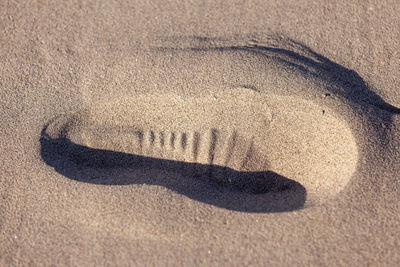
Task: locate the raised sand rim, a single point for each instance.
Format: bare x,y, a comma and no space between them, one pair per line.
239,129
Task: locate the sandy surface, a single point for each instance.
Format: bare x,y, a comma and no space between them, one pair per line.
200,133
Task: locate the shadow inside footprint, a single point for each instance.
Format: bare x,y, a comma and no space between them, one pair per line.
220,186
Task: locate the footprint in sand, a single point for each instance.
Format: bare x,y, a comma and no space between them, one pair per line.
282,148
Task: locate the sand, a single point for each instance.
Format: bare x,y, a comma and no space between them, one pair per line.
185,133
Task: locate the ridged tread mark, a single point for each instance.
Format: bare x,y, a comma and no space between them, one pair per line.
196,143
249,153
231,147
148,138
152,138
162,139
183,141
213,144
172,140
139,134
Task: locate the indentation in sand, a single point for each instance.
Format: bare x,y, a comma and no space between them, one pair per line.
239,128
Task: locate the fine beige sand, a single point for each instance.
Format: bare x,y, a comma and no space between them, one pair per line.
200,133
